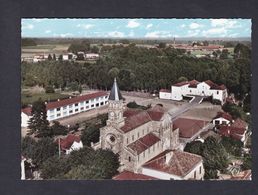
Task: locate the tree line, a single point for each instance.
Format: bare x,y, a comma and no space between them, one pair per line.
138,68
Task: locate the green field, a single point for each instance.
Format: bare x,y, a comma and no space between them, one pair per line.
39,47
28,98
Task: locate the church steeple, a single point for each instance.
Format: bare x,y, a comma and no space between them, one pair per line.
115,107
115,92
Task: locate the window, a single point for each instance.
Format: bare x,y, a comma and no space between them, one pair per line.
87,102
194,174
87,107
65,113
65,107
97,105
126,140
76,104
190,91
129,158
70,111
70,106
58,109
76,110
82,108
58,115
144,154
200,171
92,106
102,103
133,137
217,92
138,134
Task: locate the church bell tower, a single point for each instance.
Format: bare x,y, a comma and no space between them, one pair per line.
115,107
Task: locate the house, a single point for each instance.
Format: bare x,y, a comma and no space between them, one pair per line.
70,143
91,56
67,107
238,130
165,94
222,118
243,175
196,88
175,165
190,129
137,135
25,116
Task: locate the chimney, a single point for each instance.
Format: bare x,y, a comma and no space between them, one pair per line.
45,103
168,157
70,97
58,100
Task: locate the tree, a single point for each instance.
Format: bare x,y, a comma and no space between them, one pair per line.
182,79
58,129
90,134
38,151
49,57
38,123
247,163
60,57
113,72
162,45
95,49
232,146
205,43
242,51
54,57
80,89
224,54
49,89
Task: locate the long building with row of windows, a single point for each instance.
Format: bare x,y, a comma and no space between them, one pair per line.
67,107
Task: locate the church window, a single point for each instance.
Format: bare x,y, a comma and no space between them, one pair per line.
217,92
129,158
138,134
132,137
112,139
144,154
194,174
200,171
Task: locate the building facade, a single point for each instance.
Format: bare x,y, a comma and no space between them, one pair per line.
68,107
196,88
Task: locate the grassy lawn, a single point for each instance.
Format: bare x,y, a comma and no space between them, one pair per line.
28,98
39,47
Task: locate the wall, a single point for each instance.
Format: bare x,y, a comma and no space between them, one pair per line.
165,95
24,119
72,109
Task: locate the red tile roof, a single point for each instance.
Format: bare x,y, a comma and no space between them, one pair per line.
214,85
239,123
165,90
144,143
77,99
131,111
135,121
244,175
67,142
137,117
181,83
180,164
27,111
224,115
188,127
128,175
193,83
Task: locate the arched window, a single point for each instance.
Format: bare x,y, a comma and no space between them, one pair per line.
129,158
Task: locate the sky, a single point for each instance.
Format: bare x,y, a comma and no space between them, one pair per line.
135,28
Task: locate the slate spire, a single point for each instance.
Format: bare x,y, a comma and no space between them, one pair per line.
115,92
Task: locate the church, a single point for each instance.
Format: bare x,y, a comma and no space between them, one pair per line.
144,137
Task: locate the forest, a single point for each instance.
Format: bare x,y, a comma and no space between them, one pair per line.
139,68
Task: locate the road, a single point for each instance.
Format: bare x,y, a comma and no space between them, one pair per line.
176,113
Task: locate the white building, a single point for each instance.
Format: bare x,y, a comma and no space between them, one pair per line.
70,143
165,94
91,56
222,118
67,107
205,88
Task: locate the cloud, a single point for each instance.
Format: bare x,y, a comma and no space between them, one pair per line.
85,26
27,26
193,33
158,34
215,31
66,35
226,23
194,25
149,26
48,31
132,24
182,25
116,34
131,34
